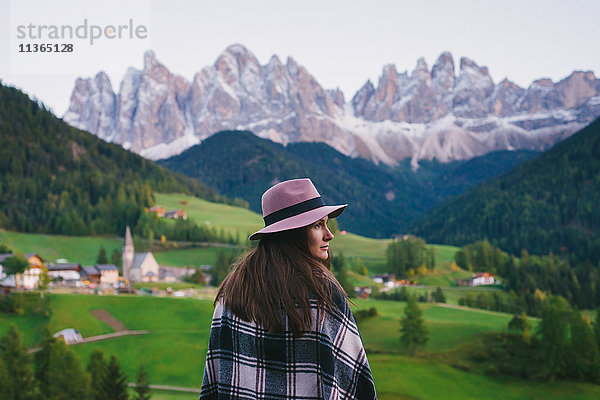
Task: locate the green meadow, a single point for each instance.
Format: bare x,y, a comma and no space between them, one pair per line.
234,220
193,256
173,352
80,249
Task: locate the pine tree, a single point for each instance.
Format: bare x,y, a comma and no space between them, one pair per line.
338,262
97,368
117,259
4,381
414,332
114,384
553,329
438,296
43,282
583,355
342,278
596,327
20,379
221,267
42,363
102,259
142,389
519,324
67,378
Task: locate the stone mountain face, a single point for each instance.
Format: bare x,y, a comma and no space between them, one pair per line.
426,114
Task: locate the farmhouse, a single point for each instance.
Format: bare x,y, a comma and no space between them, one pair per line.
109,273
176,214
90,273
363,292
388,280
69,335
478,279
160,211
5,280
68,272
30,277
483,278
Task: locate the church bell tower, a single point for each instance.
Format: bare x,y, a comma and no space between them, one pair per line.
128,253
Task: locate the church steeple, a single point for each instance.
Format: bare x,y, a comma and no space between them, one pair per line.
128,253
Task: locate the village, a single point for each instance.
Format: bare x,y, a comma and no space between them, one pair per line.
143,267
98,279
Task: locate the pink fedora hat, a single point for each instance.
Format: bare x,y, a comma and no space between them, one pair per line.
293,204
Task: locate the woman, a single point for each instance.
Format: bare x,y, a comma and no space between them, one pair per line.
282,327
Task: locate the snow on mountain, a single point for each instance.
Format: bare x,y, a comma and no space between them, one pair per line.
427,114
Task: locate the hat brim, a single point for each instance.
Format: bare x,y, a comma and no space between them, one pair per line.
300,220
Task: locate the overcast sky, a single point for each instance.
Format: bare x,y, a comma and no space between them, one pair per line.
341,43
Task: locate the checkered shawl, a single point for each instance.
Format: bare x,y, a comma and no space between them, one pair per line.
244,361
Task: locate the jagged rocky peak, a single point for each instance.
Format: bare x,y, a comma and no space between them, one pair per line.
505,98
337,96
468,65
274,62
442,72
577,88
277,83
421,68
473,86
306,92
93,104
235,62
541,84
150,60
360,99
387,87
103,81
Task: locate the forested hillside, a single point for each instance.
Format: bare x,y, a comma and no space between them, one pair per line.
383,200
547,204
58,179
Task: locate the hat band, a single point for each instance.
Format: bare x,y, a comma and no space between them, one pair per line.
296,209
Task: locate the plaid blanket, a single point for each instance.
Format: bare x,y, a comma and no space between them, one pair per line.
246,362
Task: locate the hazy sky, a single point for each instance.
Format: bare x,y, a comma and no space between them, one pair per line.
341,43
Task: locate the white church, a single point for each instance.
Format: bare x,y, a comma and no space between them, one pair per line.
138,267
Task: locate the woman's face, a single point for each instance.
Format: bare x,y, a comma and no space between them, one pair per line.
318,239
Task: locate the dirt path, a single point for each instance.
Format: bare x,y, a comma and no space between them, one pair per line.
97,338
170,388
479,310
111,321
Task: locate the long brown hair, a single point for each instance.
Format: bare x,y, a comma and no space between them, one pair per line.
279,272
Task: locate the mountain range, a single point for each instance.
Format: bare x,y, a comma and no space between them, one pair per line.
436,113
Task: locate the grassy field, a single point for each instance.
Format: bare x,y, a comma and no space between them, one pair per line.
80,249
194,256
232,219
399,377
174,350
166,395
448,327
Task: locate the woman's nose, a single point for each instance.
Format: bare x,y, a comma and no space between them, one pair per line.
328,234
